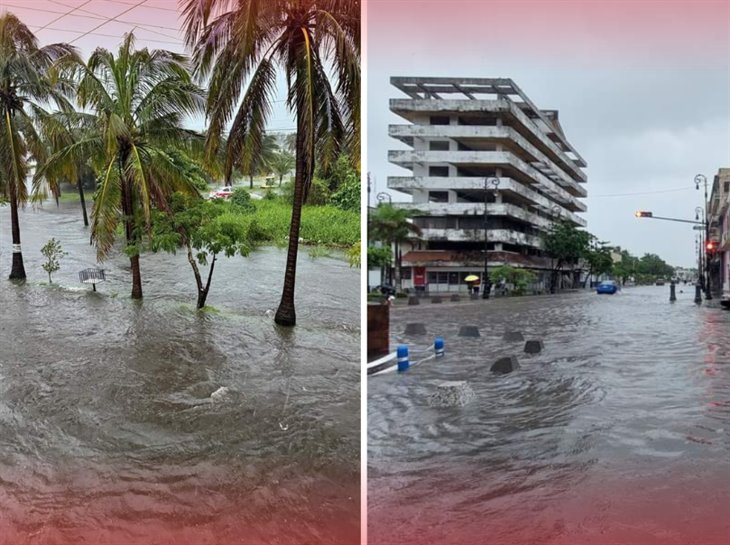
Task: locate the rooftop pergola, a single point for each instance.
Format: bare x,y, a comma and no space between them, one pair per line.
483,89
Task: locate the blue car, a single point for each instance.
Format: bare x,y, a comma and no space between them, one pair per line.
607,286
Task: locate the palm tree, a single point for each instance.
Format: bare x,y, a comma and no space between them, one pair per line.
239,42
134,138
391,225
282,164
261,164
28,76
60,130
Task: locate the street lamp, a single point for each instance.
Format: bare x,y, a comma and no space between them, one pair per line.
700,213
487,285
382,196
701,179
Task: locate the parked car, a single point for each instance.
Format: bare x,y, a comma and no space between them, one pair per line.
221,193
607,286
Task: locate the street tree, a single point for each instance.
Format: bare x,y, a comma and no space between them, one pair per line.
53,253
598,257
137,103
239,44
566,245
204,230
30,75
392,225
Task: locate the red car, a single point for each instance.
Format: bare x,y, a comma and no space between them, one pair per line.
221,193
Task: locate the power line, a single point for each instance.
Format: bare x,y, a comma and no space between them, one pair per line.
94,17
65,14
108,21
644,192
148,7
106,35
141,25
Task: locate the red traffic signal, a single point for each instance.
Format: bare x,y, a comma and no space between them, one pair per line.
711,246
643,214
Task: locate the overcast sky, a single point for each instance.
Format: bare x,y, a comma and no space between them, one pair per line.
642,87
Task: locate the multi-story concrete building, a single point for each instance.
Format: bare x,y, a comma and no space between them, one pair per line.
466,134
719,216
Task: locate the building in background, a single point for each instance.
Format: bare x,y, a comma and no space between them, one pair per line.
719,217
467,134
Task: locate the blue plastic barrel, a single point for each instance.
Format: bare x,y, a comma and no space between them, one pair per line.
438,346
402,357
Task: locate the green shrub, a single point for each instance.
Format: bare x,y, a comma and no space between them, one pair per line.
241,197
347,197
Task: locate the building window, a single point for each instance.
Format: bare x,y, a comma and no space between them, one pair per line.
438,145
438,172
438,196
727,187
454,278
440,120
433,278
405,273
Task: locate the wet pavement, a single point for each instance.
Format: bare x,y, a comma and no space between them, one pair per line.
617,433
126,423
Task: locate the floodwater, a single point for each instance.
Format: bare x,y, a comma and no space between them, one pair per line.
127,423
617,433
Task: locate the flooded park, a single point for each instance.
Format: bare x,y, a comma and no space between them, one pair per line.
139,423
616,433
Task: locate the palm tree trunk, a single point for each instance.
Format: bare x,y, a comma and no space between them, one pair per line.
286,314
17,271
250,181
83,202
128,210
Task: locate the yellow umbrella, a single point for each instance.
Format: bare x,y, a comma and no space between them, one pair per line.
471,278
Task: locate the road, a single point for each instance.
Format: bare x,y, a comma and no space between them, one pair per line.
617,433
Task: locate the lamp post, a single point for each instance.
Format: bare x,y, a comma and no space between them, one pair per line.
700,213
700,178
486,284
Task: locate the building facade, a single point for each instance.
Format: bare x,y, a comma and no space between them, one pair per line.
480,145
719,217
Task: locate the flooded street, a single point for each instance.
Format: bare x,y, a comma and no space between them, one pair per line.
617,433
126,423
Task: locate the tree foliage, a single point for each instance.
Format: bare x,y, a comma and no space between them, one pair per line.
53,253
242,44
205,230
31,78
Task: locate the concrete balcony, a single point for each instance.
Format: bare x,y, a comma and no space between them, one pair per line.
477,209
407,184
409,158
477,235
406,108
407,133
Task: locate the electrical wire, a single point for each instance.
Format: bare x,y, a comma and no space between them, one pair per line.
642,192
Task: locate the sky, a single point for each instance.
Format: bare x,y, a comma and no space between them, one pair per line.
642,88
88,24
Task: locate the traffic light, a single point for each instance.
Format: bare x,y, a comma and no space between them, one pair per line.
643,214
711,246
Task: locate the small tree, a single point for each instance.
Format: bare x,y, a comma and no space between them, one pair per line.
53,253
519,278
205,229
566,245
